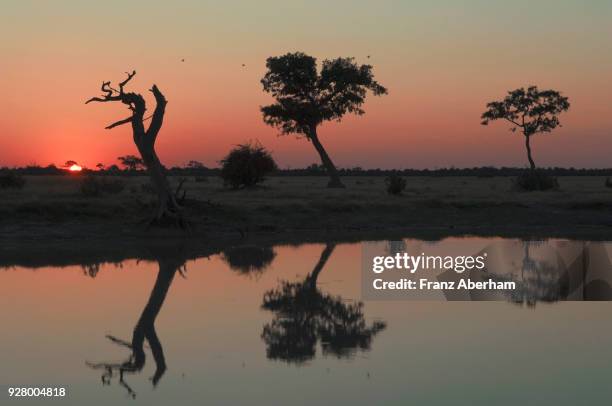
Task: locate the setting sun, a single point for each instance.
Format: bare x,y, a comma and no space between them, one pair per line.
75,168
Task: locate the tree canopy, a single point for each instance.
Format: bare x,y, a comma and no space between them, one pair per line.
532,111
131,162
305,98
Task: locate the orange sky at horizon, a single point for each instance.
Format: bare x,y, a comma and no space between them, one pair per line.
441,63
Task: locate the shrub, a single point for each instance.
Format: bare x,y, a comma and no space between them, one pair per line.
532,180
248,259
93,186
395,184
11,180
246,165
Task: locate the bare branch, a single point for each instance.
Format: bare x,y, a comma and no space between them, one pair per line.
119,341
122,84
158,114
120,122
102,100
107,89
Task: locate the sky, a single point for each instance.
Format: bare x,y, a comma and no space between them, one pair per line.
442,61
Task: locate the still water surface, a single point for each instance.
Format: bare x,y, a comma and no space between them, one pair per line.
286,325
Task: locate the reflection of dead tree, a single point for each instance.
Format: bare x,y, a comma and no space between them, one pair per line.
168,207
145,329
304,315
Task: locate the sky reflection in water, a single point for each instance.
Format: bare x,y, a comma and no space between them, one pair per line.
285,324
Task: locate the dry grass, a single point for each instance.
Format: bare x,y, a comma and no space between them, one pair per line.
290,203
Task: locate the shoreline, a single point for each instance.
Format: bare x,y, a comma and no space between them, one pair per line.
51,212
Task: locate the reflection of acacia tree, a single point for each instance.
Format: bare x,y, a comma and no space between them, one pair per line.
145,329
540,281
305,315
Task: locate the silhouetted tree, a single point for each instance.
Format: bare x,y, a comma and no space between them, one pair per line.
69,163
304,315
306,98
131,162
113,169
145,139
531,111
100,166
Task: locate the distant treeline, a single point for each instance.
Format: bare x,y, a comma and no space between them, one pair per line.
318,170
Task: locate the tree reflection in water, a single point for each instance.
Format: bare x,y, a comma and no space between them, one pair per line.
304,315
144,329
251,260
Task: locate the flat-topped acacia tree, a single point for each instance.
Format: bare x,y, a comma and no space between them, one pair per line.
306,98
531,111
168,207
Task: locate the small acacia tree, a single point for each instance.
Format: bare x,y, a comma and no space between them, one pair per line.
306,98
145,141
131,162
531,111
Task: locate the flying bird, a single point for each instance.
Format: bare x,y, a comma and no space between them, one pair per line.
183,60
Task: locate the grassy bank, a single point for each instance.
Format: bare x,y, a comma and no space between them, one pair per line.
54,207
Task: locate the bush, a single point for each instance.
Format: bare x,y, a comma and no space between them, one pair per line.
11,180
246,165
395,184
93,186
532,180
248,259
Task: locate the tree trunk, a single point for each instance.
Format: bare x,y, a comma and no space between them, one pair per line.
531,163
167,206
311,279
166,201
334,181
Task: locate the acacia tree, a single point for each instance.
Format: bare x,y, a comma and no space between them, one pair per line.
131,162
306,98
145,140
531,111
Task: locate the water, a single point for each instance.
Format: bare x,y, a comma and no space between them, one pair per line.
284,325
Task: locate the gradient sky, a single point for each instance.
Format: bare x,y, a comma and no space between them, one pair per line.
441,60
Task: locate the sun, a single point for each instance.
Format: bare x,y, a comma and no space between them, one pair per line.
75,168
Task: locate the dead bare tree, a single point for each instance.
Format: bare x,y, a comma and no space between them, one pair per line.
168,207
